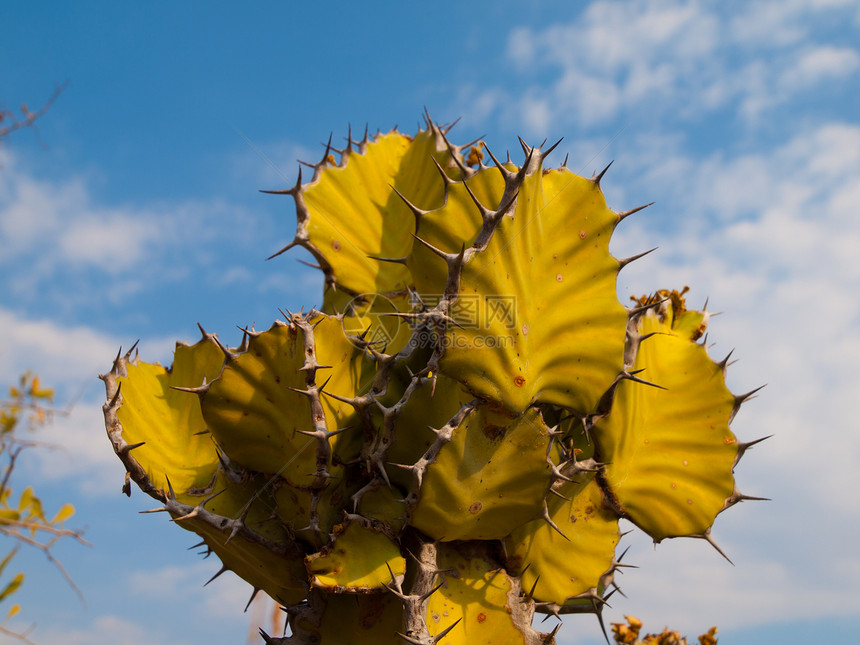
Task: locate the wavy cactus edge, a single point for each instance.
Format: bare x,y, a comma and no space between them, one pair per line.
390,421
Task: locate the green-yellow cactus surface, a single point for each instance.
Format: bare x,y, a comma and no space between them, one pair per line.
449,447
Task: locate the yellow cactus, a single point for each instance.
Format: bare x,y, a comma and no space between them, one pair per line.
449,447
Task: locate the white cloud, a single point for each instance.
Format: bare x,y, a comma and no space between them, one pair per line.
54,234
59,226
818,64
672,57
271,165
225,597
69,359
771,23
104,630
60,354
521,47
686,585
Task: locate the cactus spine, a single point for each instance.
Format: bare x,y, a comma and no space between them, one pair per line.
446,447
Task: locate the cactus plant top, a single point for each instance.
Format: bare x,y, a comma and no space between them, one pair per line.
447,445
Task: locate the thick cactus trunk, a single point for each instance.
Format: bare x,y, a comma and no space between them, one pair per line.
447,447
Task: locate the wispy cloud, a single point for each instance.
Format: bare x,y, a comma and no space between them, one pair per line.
686,59
106,630
225,597
69,358
54,235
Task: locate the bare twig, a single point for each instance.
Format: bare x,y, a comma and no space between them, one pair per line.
29,117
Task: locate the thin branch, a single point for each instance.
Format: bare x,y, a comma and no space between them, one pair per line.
20,636
30,118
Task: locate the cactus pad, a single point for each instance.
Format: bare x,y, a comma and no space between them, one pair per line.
448,448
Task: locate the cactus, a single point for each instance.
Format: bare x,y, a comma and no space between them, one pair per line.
446,446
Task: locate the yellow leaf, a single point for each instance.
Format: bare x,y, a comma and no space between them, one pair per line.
39,393
26,499
12,587
6,560
14,610
63,514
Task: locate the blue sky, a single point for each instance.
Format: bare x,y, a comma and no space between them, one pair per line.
135,213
